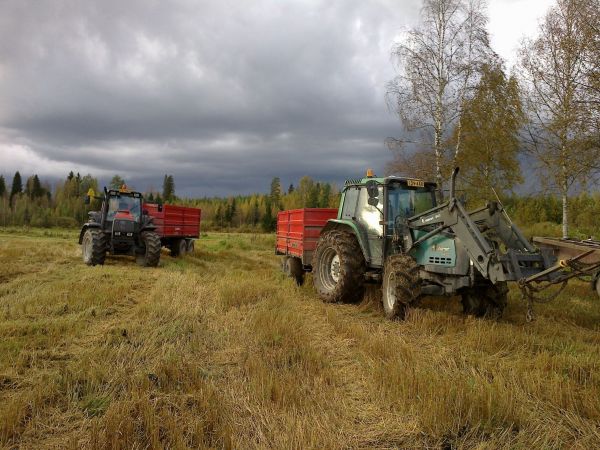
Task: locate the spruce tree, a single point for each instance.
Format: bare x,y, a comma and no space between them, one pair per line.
169,188
17,187
276,192
37,190
2,186
267,222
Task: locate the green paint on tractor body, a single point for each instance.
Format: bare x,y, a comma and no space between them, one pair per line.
437,250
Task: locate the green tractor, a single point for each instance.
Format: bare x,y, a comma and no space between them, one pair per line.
391,230
121,227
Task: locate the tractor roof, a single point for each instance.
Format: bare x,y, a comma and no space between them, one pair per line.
387,180
121,192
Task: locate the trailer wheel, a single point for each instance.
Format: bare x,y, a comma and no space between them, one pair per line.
401,285
338,267
151,255
485,300
296,270
93,247
178,247
285,265
190,246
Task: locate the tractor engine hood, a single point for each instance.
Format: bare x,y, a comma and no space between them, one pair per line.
124,224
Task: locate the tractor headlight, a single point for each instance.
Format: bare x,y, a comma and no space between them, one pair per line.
117,233
129,234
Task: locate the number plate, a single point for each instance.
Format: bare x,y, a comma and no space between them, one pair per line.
415,183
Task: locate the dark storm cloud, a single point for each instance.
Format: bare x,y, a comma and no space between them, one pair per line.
223,94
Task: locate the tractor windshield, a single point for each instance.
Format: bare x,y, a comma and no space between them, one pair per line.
407,202
124,203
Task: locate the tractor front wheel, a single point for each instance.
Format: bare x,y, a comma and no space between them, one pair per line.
401,285
339,267
93,247
152,246
486,300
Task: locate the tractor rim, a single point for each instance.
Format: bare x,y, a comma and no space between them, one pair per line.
335,268
390,291
330,268
87,247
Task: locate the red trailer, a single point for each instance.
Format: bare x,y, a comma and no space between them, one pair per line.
298,231
177,226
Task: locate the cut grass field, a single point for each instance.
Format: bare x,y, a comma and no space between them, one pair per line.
220,350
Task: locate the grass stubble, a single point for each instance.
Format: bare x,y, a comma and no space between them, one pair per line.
220,350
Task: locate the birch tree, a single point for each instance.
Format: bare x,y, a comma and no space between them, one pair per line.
556,72
437,65
491,122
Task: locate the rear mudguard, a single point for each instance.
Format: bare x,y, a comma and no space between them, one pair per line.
87,226
341,224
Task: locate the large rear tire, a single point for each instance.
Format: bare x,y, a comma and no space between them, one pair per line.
93,247
401,285
152,244
339,267
486,300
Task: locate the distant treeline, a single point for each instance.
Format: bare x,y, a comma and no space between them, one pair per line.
35,203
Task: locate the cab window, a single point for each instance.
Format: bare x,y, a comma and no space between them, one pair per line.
350,200
123,203
367,215
407,202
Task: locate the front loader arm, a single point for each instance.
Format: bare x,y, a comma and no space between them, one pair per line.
481,233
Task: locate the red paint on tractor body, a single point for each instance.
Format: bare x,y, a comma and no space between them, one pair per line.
298,231
124,214
175,221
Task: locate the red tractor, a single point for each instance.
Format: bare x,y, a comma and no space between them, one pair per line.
121,227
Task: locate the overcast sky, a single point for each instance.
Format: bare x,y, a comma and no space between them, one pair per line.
222,94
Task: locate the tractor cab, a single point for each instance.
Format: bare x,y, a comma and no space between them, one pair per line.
122,217
123,205
376,206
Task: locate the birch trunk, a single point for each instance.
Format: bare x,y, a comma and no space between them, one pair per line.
565,203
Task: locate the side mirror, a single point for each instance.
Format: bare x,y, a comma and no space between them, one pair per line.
372,189
373,201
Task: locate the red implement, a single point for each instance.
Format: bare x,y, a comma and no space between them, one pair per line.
298,231
175,221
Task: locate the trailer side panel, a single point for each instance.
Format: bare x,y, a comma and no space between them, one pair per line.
298,231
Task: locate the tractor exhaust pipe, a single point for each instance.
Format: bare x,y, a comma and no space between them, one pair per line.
453,183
